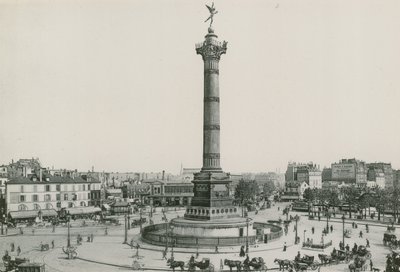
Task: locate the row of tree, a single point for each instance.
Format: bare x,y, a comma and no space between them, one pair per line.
359,199
249,190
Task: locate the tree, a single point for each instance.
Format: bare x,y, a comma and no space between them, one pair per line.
350,195
309,196
246,190
268,189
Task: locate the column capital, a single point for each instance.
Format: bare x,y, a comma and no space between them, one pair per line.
211,49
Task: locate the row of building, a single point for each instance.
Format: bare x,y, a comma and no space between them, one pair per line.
27,186
300,176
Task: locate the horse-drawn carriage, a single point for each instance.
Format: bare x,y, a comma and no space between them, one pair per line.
389,239
256,264
304,263
139,221
203,265
11,264
44,247
363,252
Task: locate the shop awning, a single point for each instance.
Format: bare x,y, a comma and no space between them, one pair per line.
83,210
32,214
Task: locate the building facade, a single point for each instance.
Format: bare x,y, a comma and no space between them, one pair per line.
350,171
47,192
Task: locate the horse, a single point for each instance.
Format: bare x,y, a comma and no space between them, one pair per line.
174,264
283,264
233,263
325,259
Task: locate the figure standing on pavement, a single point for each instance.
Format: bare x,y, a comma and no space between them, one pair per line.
361,234
312,230
12,247
91,237
18,251
367,243
331,228
242,253
52,244
284,246
371,264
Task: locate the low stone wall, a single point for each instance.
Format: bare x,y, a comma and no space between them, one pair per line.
155,234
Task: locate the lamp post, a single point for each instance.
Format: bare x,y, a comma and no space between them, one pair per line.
343,230
247,234
129,218
304,236
172,241
126,231
2,220
68,233
327,218
295,238
140,214
166,230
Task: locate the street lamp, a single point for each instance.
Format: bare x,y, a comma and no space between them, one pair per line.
304,236
126,231
327,218
343,229
172,241
68,232
295,238
140,214
129,218
247,235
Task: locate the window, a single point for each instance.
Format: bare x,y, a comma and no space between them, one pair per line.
84,187
65,196
88,195
22,198
47,197
83,204
74,197
88,187
58,187
35,198
47,188
49,206
58,197
22,207
58,204
36,206
70,204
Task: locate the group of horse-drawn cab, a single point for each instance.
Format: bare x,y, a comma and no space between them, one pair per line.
20,264
390,239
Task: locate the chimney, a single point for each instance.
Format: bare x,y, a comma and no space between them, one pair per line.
40,175
163,174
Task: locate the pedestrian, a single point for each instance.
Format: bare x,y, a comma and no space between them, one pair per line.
331,228
197,253
216,249
106,231
371,264
21,231
12,247
353,225
52,244
312,230
91,237
6,230
131,243
367,243
361,234
33,231
242,253
284,246
18,251
347,247
319,218
165,254
54,228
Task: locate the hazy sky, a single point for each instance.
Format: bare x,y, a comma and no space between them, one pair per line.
118,84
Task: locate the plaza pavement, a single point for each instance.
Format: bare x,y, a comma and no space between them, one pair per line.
110,250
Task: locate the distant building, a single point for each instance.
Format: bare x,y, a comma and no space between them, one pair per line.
326,174
302,176
350,171
381,171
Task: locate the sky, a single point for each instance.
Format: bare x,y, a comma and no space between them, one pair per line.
117,84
